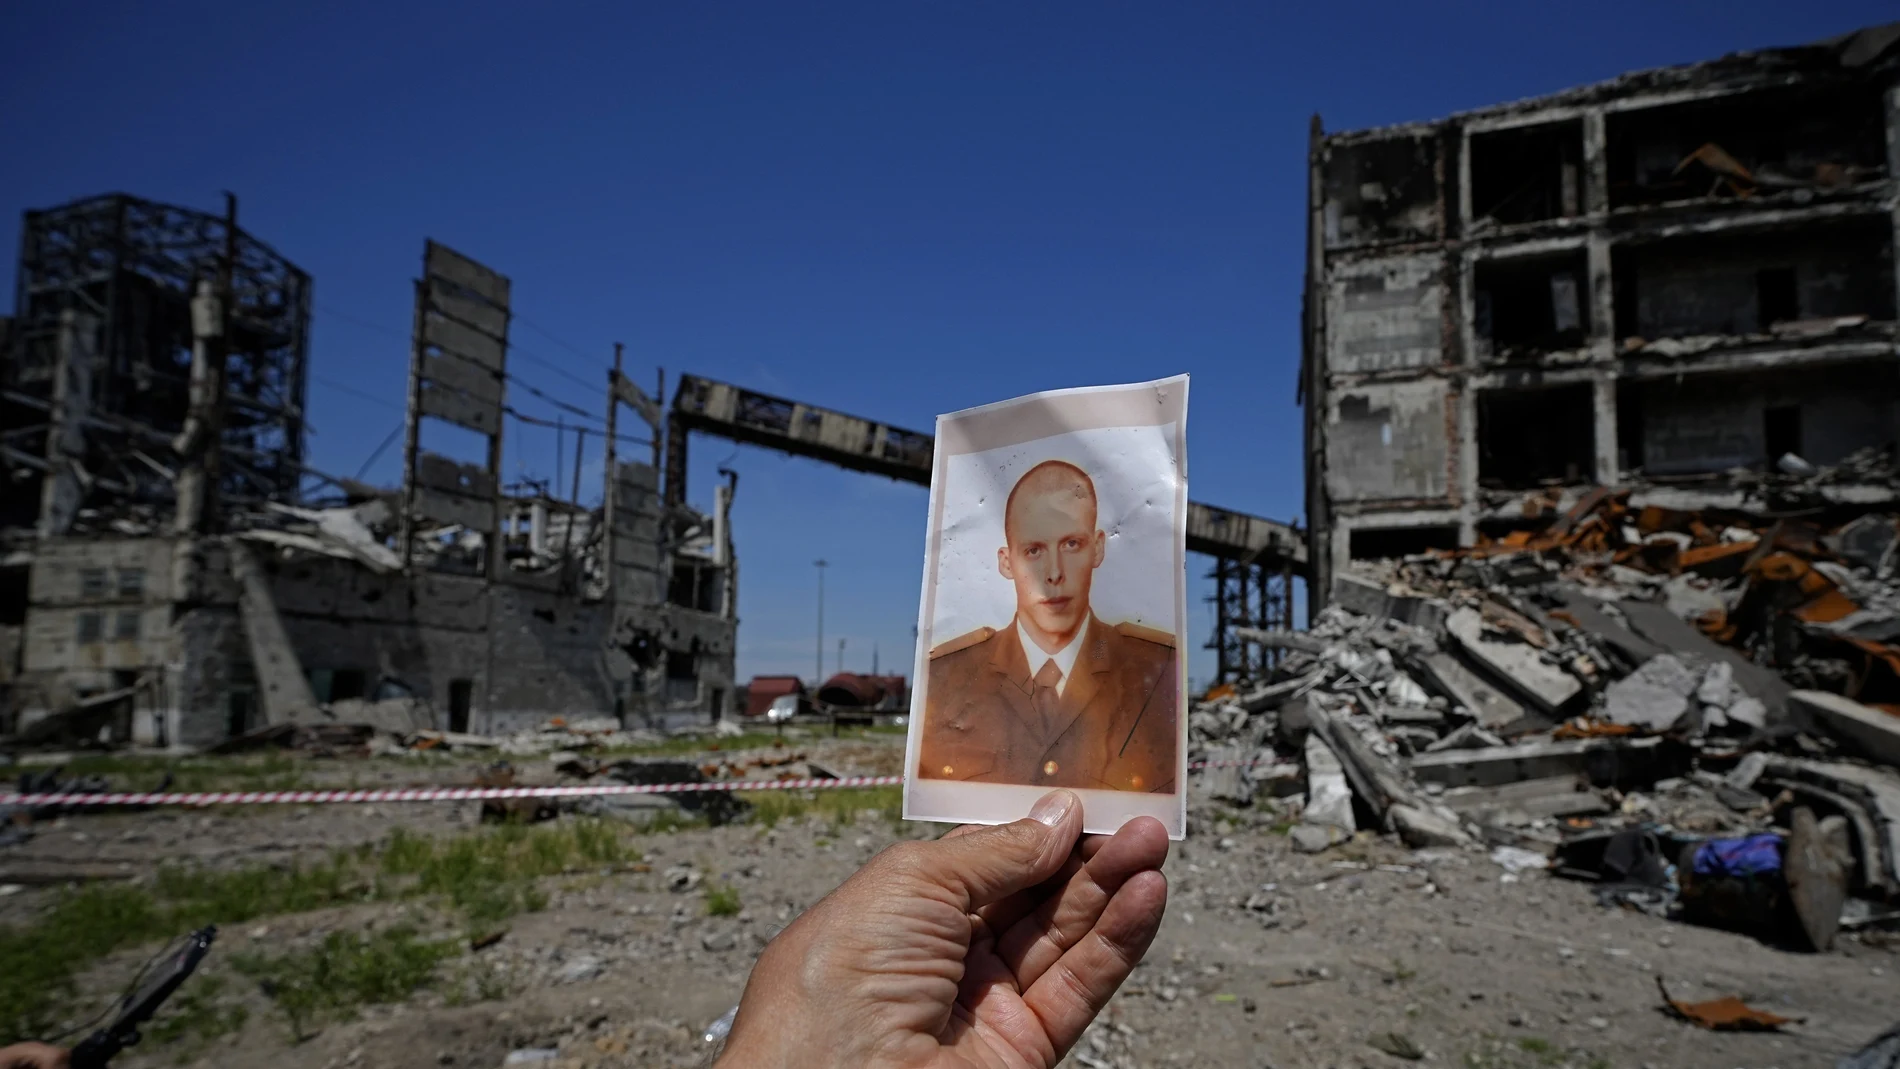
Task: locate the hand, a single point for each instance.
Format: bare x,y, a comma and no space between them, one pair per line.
33,1056
993,946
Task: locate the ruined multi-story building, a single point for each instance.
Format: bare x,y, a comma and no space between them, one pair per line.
172,572
1680,281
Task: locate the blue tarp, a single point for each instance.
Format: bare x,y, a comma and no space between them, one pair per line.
1753,855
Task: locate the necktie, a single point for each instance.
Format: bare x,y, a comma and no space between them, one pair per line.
1045,697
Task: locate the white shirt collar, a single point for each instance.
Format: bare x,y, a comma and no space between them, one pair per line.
1064,657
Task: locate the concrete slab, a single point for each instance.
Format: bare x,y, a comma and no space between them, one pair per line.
1589,614
1654,697
1328,796
1604,762
1874,733
1519,665
1493,708
1657,624
1368,598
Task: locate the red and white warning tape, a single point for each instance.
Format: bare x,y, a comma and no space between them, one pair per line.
469,794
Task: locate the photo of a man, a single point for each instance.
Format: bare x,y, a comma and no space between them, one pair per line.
1055,696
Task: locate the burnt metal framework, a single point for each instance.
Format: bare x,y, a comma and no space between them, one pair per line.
1248,594
1255,559
121,271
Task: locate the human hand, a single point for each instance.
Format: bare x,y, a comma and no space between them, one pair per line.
33,1056
993,946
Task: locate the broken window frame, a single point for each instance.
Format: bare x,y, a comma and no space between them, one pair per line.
1568,415
1509,282
94,582
131,582
1561,141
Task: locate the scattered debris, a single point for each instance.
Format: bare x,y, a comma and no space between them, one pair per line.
1635,690
1396,1045
1725,1014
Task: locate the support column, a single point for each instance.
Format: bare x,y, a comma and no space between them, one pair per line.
198,443
1465,445
1596,164
76,363
201,441
1893,172
1603,412
1222,641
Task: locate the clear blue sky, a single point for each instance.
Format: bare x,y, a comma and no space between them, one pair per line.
894,209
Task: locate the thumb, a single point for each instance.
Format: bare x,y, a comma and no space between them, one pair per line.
984,865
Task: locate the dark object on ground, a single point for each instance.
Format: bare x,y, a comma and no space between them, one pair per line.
1882,1053
1725,1014
503,810
1818,862
718,807
155,985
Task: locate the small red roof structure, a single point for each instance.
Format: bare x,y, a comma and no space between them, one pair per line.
763,689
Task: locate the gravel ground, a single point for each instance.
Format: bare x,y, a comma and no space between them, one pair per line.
1268,957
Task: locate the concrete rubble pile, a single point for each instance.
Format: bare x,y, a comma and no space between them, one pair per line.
1604,685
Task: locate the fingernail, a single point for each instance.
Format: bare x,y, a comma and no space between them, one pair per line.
1053,807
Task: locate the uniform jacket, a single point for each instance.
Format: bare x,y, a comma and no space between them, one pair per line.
1114,727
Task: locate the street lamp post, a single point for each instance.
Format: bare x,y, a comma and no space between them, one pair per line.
819,680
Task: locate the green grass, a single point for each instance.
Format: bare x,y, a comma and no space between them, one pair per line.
722,900
837,806
699,744
484,879
1546,1052
269,771
491,877
193,1017
344,972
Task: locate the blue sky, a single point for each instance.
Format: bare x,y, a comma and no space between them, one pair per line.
893,209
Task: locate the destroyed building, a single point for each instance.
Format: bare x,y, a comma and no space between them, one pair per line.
1680,281
172,571
1601,406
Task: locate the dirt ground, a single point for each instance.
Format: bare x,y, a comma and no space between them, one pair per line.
1268,957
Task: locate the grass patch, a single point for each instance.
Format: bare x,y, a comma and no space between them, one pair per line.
193,1017
489,878
268,771
485,878
344,972
836,806
697,744
722,900
1545,1051
38,963
475,980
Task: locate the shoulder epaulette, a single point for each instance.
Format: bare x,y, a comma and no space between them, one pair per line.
961,642
1146,634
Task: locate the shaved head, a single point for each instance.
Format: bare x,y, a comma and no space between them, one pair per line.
1054,478
1051,550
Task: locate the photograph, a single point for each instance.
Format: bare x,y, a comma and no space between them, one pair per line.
1051,626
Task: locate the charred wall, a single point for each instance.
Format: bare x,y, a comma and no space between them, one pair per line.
1673,274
